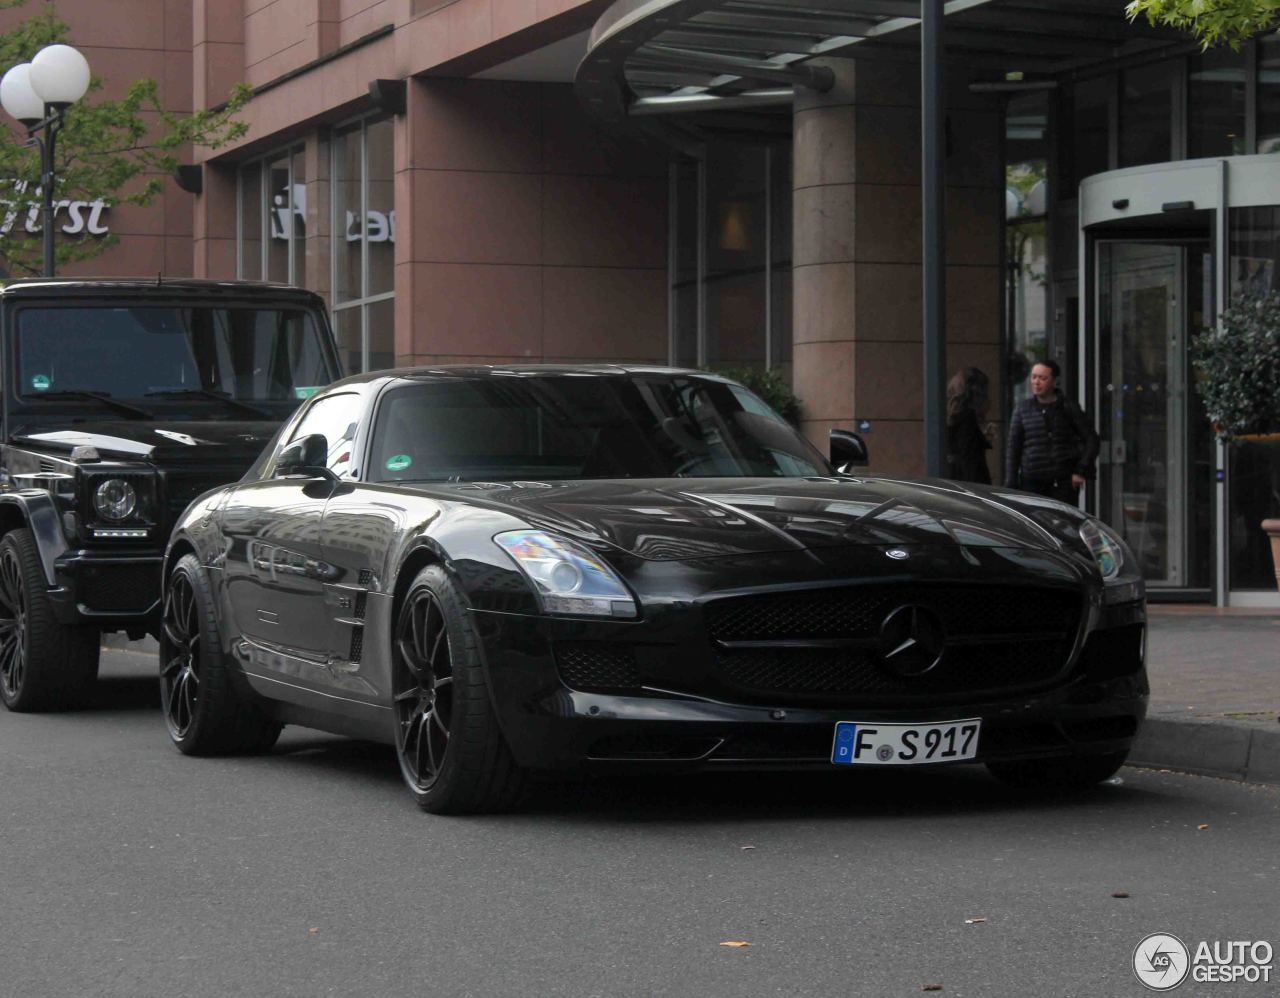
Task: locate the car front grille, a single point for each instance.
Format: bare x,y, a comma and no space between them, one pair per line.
586,665
119,588
824,643
180,487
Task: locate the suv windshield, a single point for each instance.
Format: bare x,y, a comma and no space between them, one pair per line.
574,427
246,353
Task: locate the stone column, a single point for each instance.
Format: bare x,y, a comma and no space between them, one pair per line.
858,347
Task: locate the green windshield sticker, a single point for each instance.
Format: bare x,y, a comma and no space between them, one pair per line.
398,462
40,382
305,391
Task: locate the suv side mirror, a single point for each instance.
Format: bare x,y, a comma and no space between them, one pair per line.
308,456
847,450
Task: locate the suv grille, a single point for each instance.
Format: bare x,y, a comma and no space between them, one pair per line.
997,638
180,487
119,588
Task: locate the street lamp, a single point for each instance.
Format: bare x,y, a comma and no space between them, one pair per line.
37,93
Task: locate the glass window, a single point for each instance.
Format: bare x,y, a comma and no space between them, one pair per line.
364,222
279,212
380,213
735,222
1146,114
251,222
566,427
1026,244
684,264
348,327
1091,129
348,231
1269,94
336,418
381,319
182,354
1215,99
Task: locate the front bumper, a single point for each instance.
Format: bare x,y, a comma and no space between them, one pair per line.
108,589
1095,709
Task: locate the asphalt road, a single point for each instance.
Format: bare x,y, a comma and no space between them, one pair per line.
130,870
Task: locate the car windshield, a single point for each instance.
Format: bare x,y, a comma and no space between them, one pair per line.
197,352
573,426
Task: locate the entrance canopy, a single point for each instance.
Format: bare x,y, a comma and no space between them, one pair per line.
665,56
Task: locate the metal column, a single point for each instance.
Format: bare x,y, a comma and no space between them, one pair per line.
934,246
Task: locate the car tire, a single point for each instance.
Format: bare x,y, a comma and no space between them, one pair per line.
451,751
1058,775
204,711
44,665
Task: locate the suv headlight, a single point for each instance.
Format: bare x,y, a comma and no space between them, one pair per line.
115,499
1105,545
567,578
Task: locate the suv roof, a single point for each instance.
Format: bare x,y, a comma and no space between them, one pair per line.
158,287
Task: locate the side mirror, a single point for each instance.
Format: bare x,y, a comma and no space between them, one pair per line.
308,456
847,450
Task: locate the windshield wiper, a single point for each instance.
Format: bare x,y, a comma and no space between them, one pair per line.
209,393
104,397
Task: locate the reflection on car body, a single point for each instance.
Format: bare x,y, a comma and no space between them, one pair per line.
502,570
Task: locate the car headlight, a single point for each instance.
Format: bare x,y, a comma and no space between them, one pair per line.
1107,548
115,499
567,578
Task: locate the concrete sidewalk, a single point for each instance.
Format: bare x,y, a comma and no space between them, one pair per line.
1215,693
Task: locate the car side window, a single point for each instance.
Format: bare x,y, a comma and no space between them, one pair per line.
337,417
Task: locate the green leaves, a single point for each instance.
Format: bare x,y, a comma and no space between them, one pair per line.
117,151
1238,367
1214,22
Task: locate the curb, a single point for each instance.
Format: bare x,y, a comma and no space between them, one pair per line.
1227,749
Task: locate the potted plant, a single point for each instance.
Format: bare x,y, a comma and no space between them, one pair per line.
1238,368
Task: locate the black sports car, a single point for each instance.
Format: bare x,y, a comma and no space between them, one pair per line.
506,569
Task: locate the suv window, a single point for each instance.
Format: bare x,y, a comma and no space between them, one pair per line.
253,354
337,417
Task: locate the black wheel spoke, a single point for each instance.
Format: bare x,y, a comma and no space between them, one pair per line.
423,683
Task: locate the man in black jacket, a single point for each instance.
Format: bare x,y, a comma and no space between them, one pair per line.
1052,446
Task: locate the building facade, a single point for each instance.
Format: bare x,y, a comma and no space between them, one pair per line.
550,180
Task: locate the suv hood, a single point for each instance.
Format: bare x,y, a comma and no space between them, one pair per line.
212,442
679,519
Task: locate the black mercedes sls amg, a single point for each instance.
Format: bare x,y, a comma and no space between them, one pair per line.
500,570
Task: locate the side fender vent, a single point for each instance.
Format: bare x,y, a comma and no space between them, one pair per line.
357,643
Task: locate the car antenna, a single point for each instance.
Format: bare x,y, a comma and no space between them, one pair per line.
159,274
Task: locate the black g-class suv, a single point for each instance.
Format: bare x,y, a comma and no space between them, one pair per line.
123,400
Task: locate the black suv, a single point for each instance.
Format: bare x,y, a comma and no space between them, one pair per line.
123,400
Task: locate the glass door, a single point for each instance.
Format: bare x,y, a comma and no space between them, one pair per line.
1154,484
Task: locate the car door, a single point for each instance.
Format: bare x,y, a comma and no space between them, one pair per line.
275,571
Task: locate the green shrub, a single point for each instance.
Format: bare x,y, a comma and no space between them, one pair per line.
1238,367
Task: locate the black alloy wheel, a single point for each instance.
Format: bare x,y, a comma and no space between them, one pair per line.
204,710
451,751
44,664
180,664
13,625
424,689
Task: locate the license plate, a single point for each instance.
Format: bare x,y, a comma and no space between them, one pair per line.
872,743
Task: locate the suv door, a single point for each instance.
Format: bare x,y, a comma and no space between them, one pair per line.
275,570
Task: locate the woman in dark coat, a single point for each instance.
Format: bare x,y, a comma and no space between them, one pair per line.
967,444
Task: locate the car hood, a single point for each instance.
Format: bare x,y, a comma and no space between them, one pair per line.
680,519
216,442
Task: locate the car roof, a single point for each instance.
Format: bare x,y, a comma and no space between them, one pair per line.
157,287
484,371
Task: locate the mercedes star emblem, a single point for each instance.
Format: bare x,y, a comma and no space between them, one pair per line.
897,554
911,641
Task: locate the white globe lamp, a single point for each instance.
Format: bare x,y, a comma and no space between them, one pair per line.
17,95
59,75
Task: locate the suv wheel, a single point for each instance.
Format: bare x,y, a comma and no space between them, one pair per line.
44,665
